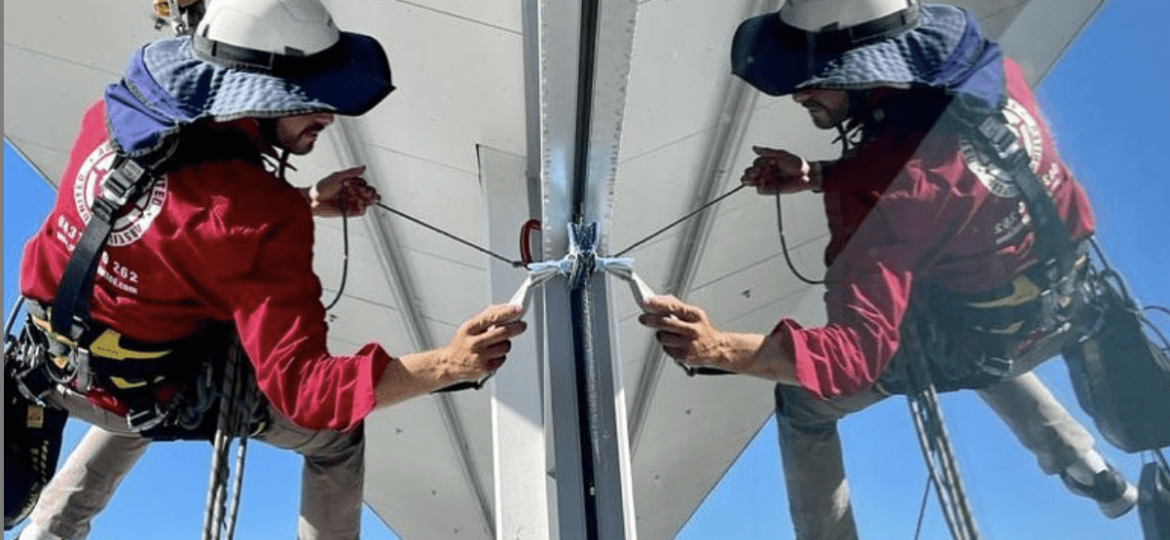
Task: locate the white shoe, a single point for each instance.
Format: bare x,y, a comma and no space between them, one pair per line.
1114,495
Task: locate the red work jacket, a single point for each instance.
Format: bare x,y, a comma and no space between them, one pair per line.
217,241
911,208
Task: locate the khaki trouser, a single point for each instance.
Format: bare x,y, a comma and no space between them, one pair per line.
810,447
331,478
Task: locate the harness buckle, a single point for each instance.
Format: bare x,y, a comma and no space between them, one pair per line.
140,419
120,184
996,367
79,357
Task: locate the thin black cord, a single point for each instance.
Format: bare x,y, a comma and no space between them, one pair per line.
518,264
784,247
345,243
922,508
345,260
680,220
1157,331
12,316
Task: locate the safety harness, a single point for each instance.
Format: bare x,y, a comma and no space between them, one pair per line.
1120,376
976,340
166,391
1065,304
163,389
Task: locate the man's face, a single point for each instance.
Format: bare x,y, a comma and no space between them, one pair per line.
298,134
828,108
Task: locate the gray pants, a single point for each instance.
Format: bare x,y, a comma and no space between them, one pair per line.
810,447
331,478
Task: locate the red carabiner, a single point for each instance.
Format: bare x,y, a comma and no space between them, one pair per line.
525,239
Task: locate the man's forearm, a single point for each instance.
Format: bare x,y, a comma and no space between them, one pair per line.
410,376
761,356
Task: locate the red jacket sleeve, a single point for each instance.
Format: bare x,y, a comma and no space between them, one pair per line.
265,249
868,290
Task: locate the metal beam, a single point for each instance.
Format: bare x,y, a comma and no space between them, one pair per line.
585,49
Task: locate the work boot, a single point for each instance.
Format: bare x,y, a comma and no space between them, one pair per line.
1114,495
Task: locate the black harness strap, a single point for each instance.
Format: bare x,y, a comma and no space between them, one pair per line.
1055,249
125,183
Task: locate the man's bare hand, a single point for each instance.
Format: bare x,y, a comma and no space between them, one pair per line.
686,334
481,344
342,192
779,171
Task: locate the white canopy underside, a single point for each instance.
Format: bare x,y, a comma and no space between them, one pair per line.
460,71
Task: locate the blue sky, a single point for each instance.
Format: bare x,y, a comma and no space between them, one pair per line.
1108,101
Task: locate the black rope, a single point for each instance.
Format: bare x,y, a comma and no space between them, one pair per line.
1157,331
345,259
515,263
1108,273
345,247
12,316
784,247
922,508
680,220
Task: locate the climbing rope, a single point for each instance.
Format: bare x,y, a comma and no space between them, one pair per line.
237,406
922,507
515,263
940,463
935,443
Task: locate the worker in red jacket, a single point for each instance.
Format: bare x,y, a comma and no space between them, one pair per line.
218,237
932,255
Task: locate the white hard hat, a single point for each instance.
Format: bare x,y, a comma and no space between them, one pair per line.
287,27
247,58
829,15
295,41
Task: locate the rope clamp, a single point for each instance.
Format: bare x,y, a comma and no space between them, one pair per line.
582,255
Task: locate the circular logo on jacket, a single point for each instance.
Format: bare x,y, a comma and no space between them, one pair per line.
1027,130
132,223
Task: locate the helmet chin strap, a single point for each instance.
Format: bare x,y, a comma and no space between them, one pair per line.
282,163
851,128
268,133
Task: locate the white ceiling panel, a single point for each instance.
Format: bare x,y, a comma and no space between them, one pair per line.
460,83
504,14
75,35
437,301
459,69
357,321
679,64
413,480
32,79
692,435
474,414
364,277
445,198
655,188
744,238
